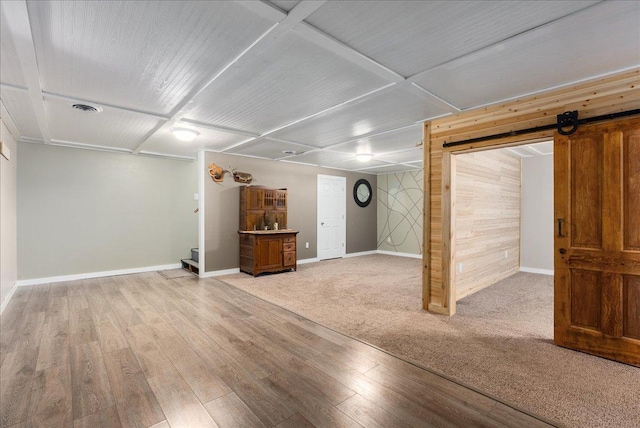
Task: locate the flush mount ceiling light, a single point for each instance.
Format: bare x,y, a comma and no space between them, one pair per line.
184,134
364,157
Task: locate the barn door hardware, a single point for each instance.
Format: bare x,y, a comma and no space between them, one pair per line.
564,120
568,119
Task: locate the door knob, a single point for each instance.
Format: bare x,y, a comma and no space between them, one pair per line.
322,224
562,251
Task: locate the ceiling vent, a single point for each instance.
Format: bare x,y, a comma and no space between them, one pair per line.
86,108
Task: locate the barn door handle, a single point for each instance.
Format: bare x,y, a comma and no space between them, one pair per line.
560,222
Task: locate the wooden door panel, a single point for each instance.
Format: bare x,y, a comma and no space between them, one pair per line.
631,306
586,192
631,167
597,243
586,295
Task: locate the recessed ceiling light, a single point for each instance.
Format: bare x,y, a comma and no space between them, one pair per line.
364,157
289,152
184,134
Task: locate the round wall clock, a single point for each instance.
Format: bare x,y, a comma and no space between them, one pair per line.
362,193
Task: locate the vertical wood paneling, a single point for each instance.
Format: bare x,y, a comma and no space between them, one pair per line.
631,304
486,215
586,192
631,169
605,95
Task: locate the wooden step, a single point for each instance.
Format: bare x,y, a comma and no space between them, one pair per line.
190,265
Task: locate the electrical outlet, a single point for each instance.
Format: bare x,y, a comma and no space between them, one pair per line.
389,240
306,245
459,267
506,254
196,196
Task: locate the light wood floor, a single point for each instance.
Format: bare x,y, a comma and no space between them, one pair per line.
142,350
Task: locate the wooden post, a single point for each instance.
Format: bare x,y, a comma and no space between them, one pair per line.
426,217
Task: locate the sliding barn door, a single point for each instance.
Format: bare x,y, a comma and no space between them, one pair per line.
597,244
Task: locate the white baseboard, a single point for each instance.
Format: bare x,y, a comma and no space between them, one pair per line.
219,273
362,253
536,270
394,253
311,260
8,297
90,275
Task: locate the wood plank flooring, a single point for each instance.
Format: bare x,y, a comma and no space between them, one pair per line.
146,351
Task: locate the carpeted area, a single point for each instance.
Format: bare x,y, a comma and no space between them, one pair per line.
500,341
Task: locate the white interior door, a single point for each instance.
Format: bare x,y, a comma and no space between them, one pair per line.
332,205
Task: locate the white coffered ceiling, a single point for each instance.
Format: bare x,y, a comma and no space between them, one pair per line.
312,82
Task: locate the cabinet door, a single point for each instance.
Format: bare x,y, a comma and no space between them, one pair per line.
254,199
268,199
269,252
280,200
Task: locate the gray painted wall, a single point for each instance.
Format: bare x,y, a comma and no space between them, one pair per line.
400,212
82,211
536,240
8,239
222,207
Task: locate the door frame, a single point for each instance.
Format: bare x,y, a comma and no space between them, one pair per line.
448,215
343,238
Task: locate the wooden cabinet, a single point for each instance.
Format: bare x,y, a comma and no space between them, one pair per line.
267,251
263,249
261,206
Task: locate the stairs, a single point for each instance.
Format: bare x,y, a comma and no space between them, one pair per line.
191,264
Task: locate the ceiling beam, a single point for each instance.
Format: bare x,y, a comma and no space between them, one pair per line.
74,100
300,12
8,121
17,19
340,49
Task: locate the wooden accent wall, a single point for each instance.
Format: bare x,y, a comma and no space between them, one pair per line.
486,219
611,94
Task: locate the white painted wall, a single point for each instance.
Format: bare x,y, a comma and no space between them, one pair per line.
8,237
536,240
83,211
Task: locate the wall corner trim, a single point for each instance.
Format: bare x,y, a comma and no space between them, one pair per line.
88,275
536,270
8,297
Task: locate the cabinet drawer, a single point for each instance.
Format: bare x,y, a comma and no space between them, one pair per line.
289,246
289,239
289,258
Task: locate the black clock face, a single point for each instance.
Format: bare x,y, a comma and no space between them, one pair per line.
362,192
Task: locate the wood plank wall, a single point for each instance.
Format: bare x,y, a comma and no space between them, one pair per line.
486,218
611,94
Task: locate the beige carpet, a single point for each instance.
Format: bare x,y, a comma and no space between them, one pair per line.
500,341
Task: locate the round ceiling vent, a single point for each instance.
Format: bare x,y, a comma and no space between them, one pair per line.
86,108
